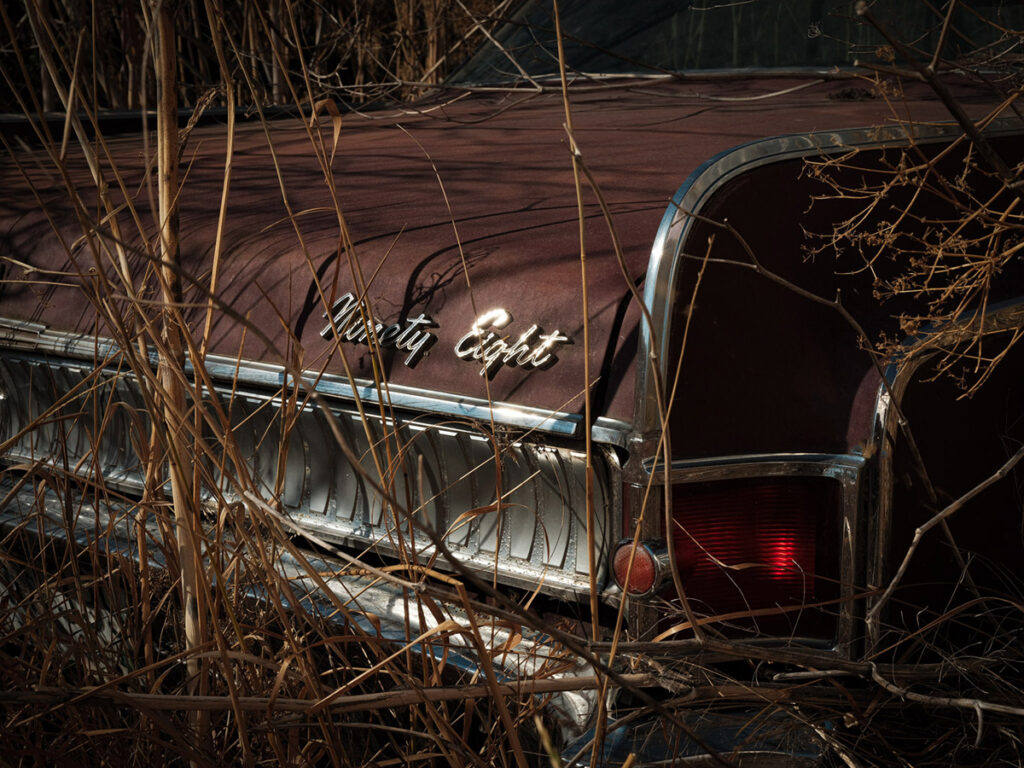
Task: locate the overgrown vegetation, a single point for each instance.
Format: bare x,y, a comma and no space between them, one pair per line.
939,232
357,51
163,628
173,633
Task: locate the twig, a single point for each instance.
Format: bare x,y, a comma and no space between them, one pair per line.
363,702
928,74
939,519
977,705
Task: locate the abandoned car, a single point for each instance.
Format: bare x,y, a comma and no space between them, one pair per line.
608,337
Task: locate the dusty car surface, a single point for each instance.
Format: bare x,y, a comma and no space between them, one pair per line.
604,345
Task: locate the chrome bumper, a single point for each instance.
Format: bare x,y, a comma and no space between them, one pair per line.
525,661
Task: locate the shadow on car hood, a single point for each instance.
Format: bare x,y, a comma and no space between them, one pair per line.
451,211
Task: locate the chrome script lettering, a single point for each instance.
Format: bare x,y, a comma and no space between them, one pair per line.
531,349
352,319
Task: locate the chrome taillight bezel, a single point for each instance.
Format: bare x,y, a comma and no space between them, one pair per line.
647,482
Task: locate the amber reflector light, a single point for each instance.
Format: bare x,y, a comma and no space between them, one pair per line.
644,573
756,544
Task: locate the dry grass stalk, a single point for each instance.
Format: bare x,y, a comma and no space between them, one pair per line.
356,51
230,645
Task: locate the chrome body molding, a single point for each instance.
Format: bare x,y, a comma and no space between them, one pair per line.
697,190
847,470
415,399
885,430
611,431
18,334
840,467
529,500
529,524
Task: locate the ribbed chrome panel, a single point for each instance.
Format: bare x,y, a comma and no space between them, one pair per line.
513,509
73,418
513,506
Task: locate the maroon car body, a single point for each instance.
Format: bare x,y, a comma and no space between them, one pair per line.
480,186
457,257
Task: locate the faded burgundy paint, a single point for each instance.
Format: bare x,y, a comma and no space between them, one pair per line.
508,213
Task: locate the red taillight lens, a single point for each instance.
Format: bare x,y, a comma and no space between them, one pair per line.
744,546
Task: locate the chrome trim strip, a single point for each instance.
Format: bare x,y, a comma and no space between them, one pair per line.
885,432
414,398
837,465
697,190
611,431
35,336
